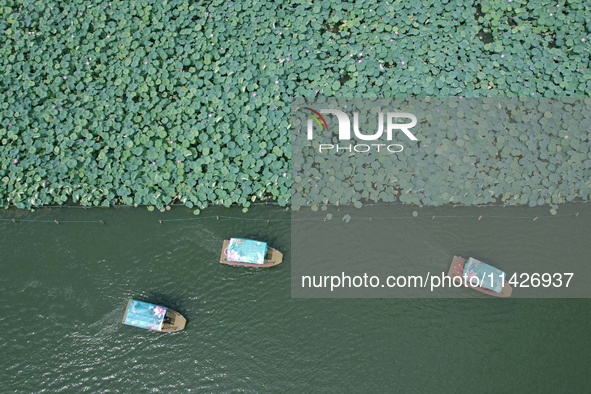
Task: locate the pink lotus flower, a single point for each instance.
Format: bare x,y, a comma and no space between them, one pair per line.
15,161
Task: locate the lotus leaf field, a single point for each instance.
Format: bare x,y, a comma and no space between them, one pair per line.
160,102
510,151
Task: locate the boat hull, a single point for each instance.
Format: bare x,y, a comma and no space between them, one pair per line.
457,268
272,258
178,322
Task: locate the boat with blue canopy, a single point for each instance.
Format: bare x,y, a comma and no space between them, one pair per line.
480,276
249,253
152,317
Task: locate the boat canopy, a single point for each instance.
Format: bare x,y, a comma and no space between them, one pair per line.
145,315
489,277
246,251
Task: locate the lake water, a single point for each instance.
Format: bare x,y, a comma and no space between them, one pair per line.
63,289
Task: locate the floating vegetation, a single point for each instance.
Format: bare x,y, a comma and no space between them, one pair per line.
513,151
153,103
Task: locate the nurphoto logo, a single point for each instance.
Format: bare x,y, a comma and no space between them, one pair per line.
345,130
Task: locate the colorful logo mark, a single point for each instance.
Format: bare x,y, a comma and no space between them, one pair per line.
315,118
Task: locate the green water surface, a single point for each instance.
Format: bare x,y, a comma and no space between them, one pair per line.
63,289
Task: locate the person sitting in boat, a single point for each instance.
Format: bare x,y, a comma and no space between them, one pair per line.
167,320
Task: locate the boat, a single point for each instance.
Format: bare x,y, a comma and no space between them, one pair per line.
491,280
153,317
249,253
